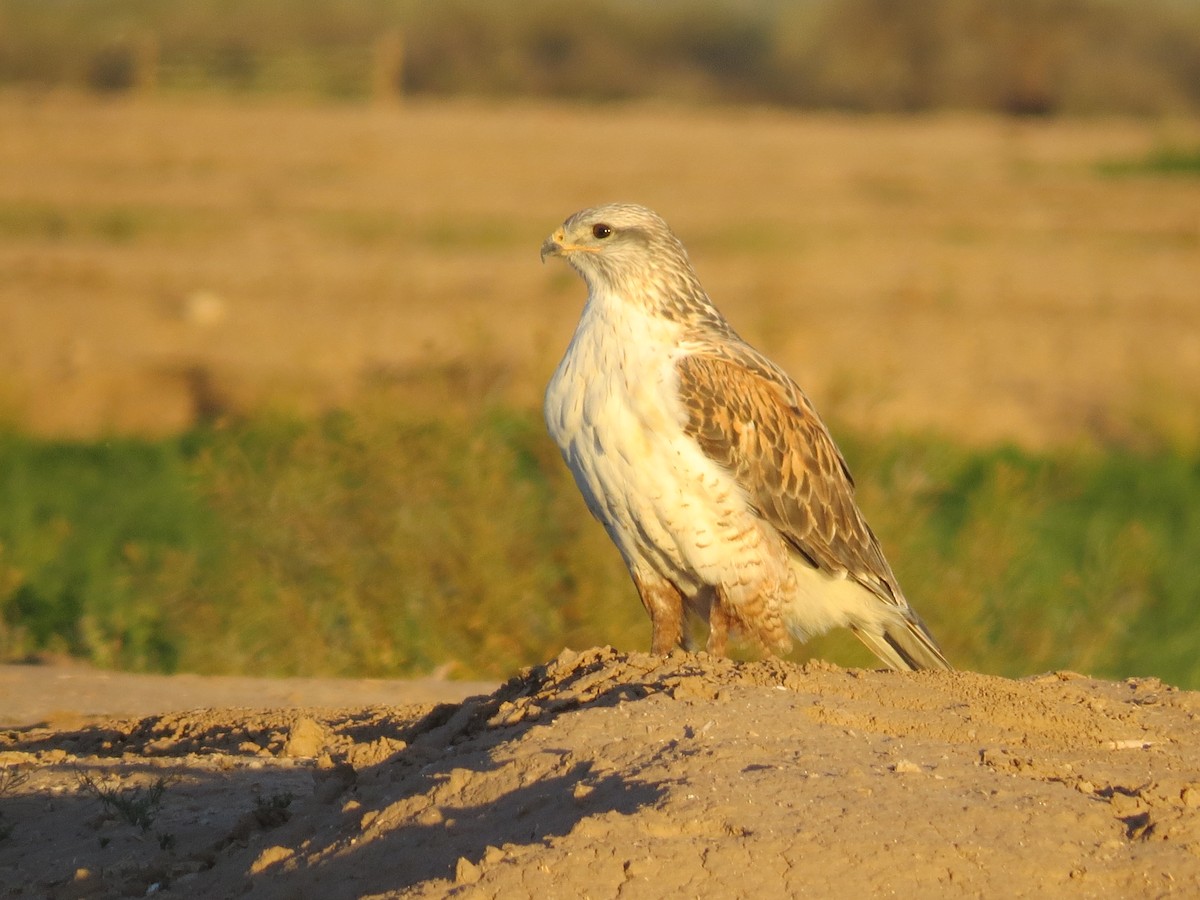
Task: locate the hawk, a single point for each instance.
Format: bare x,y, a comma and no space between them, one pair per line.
707,465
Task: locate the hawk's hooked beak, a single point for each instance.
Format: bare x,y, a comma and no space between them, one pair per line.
552,246
556,245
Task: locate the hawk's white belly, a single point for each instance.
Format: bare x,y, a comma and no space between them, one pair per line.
613,409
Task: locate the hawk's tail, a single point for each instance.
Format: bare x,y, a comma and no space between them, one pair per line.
903,642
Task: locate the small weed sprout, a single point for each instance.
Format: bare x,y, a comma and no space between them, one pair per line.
137,806
10,778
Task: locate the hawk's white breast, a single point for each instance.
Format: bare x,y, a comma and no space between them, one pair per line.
612,407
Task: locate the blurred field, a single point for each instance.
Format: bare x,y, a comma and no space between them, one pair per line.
271,372
988,279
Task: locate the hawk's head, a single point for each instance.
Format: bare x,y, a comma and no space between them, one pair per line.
622,247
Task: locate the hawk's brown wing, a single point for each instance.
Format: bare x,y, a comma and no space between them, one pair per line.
753,420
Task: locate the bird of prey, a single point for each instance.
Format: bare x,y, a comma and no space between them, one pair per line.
707,465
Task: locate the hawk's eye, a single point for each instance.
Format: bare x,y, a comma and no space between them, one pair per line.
600,232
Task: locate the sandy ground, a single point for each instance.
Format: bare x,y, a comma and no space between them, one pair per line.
602,774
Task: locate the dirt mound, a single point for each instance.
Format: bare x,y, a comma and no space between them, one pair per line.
605,773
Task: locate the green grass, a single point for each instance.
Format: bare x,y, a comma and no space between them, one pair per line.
1165,161
380,542
94,539
1026,562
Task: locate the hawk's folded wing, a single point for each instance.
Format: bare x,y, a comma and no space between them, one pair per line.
752,419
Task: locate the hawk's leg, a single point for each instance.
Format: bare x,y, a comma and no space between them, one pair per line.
665,605
719,621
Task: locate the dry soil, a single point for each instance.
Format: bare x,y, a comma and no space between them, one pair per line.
605,774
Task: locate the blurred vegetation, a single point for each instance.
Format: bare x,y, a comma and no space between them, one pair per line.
1169,161
376,542
1027,57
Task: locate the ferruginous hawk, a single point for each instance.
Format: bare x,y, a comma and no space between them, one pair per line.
706,463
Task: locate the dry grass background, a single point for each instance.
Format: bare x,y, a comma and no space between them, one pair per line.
980,277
